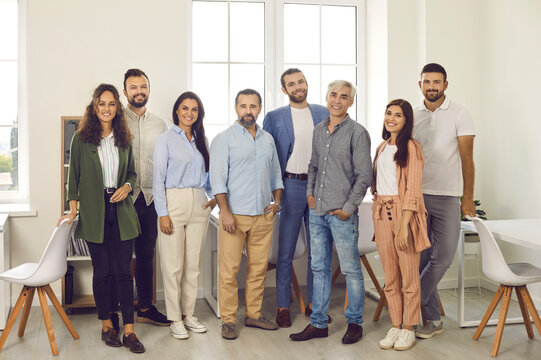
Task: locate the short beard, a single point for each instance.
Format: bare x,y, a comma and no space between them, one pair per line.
436,98
138,104
247,123
297,100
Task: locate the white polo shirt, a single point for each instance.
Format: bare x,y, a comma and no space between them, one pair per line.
438,133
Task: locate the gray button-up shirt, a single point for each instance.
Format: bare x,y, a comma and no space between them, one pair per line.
145,130
340,168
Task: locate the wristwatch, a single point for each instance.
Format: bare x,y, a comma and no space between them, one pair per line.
277,204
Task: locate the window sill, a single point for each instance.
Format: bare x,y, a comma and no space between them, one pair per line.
18,210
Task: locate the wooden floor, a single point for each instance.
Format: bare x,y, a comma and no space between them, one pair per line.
454,343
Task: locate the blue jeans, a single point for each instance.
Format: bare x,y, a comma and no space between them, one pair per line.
323,230
294,210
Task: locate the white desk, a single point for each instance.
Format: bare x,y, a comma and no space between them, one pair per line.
521,232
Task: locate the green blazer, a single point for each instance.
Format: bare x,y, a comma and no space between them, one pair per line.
85,184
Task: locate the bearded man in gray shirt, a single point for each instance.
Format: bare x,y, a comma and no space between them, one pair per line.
339,173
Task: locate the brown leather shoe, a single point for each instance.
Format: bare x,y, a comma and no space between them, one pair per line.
283,319
131,341
308,312
353,334
261,323
111,338
229,331
310,332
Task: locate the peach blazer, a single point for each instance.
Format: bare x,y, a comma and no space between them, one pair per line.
410,191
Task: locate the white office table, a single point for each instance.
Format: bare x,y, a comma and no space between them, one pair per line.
521,232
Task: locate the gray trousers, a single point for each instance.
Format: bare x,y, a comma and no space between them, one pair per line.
443,225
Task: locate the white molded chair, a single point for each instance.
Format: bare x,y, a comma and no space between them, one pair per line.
366,246
51,267
509,276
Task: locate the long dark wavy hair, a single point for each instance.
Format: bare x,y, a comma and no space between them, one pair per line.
401,155
198,130
90,127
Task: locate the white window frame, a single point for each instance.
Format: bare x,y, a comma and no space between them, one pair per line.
20,195
274,53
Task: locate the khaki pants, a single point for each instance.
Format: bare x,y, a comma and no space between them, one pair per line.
180,252
256,233
401,267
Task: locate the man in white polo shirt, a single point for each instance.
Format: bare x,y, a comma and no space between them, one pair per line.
445,131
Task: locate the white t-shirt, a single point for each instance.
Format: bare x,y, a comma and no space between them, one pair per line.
303,127
386,181
438,133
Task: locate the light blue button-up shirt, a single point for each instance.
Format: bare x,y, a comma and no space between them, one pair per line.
177,165
244,168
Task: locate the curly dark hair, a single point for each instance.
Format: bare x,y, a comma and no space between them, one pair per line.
90,127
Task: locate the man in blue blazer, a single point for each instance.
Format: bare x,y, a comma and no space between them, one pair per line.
291,127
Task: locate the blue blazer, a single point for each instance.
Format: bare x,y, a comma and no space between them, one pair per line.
280,125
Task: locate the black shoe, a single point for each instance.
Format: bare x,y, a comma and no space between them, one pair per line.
116,322
310,332
110,337
353,334
308,312
131,341
152,316
283,319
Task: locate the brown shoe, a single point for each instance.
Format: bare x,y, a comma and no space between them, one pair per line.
353,334
308,312
228,331
310,332
261,323
111,338
283,319
131,341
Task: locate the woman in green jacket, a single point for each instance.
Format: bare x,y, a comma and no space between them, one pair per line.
101,176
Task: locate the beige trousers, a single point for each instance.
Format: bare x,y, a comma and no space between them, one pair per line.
256,233
180,253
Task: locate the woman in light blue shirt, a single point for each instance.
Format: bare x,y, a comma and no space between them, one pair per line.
180,180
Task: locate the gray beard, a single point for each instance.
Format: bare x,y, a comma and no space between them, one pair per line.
247,123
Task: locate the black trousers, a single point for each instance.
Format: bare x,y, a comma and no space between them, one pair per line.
111,263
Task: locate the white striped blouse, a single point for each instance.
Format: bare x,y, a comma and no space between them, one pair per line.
108,153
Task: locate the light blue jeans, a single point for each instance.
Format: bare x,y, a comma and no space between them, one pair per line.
323,231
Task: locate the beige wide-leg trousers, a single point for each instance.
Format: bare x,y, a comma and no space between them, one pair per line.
180,253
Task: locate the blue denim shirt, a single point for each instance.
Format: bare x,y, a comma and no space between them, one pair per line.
177,165
247,170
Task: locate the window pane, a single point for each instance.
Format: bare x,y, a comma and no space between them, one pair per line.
338,40
8,92
8,159
8,29
330,73
301,33
209,26
245,76
311,73
247,23
210,83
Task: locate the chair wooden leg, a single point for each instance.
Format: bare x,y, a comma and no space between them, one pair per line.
381,304
346,301
531,307
442,312
47,319
26,312
501,321
372,276
335,276
524,311
423,315
297,288
61,311
14,313
490,310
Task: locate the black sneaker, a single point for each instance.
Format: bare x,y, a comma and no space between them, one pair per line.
152,316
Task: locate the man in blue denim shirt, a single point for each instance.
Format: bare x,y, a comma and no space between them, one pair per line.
246,179
339,173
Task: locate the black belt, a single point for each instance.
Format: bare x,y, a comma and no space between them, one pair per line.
109,190
303,177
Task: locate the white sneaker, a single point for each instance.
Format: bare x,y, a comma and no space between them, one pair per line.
194,325
406,340
178,330
390,338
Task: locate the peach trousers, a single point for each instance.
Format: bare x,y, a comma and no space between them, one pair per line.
401,267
